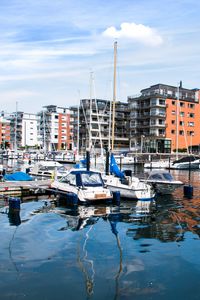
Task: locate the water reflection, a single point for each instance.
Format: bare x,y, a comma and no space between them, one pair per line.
135,250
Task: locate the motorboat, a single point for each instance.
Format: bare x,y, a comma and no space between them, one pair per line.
50,169
159,164
130,186
187,162
163,182
125,159
61,156
83,185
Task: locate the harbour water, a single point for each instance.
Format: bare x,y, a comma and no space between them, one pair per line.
51,251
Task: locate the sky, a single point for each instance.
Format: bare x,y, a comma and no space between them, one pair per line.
50,49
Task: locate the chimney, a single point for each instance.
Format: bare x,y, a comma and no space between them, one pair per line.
181,84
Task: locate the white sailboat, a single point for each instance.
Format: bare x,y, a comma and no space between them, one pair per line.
129,186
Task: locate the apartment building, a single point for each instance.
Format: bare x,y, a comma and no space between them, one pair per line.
164,118
95,124
4,133
54,128
23,130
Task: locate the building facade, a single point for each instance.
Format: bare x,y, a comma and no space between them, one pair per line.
54,128
164,118
23,130
4,133
92,123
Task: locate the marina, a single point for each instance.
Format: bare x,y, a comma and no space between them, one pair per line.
133,248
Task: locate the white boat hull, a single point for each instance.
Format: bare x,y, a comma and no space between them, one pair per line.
135,189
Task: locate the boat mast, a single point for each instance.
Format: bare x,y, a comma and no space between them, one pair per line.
177,121
15,146
114,96
78,135
90,120
109,128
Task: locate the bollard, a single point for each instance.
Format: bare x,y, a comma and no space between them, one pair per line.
116,197
14,211
72,199
14,204
188,191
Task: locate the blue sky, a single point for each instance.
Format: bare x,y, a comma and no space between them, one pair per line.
49,48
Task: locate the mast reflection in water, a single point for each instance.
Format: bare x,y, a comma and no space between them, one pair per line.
103,252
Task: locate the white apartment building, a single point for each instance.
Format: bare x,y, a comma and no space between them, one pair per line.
54,128
29,130
23,129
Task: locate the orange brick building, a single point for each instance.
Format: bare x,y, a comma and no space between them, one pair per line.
4,133
183,117
165,118
64,133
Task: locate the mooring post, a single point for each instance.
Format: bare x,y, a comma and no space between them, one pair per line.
88,160
107,162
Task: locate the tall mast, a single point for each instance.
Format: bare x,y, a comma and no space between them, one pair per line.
90,120
114,95
109,128
16,128
78,125
177,121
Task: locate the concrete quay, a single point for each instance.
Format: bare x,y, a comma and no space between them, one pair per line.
24,188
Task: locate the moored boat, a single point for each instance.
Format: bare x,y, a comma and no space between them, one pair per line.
83,186
50,169
163,182
187,162
129,186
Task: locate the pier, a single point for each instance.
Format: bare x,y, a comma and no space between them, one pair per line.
24,188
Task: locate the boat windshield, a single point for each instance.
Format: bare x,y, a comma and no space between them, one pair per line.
168,176
91,179
161,176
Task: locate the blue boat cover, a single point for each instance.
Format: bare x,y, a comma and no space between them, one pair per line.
83,161
18,176
114,169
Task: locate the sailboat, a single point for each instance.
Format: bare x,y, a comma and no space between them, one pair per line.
129,186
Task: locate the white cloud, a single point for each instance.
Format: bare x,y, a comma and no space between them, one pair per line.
138,32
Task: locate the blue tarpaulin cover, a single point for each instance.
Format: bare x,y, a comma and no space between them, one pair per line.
114,169
18,176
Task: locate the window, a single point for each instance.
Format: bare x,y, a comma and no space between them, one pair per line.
182,114
173,131
173,102
181,132
191,105
190,115
182,104
173,122
71,179
173,112
181,123
191,124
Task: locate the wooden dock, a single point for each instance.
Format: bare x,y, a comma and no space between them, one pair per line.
24,188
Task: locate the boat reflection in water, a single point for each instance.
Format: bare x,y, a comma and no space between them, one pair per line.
84,218
132,251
